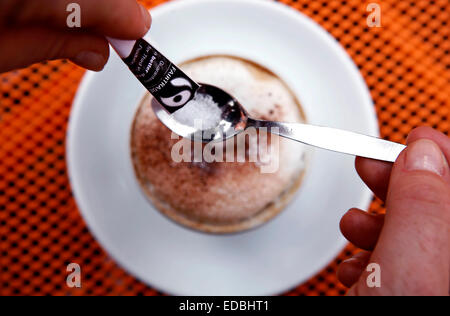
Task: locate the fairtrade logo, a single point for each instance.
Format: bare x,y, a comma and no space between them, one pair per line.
181,97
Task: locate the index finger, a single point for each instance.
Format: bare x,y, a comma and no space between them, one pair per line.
124,19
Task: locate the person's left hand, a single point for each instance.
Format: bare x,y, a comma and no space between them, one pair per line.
36,30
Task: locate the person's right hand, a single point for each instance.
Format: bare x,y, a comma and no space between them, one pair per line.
36,30
411,244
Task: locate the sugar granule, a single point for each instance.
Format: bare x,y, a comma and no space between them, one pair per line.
200,109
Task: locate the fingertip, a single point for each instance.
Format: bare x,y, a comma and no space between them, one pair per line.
370,168
426,155
425,132
361,228
147,18
346,224
91,52
362,166
420,132
90,60
351,224
349,272
375,175
358,164
127,20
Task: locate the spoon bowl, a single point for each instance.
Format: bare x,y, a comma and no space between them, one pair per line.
233,117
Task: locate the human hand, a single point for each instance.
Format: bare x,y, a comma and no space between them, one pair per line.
411,243
36,30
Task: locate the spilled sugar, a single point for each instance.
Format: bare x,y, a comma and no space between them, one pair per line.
200,110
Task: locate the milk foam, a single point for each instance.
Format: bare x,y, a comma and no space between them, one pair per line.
261,93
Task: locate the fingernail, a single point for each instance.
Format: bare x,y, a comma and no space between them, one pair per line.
146,17
425,155
90,60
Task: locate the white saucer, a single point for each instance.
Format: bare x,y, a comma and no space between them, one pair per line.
274,258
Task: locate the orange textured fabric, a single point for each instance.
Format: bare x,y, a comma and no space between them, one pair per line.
406,64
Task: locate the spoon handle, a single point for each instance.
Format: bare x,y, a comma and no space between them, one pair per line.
334,139
162,78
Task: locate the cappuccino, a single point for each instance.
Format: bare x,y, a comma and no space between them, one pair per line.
222,196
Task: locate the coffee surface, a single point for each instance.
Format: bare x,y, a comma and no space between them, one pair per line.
232,195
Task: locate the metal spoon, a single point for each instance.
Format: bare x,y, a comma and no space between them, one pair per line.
173,89
235,120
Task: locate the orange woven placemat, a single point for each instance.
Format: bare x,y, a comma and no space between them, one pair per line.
406,64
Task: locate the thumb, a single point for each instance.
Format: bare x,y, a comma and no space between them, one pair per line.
23,47
413,251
